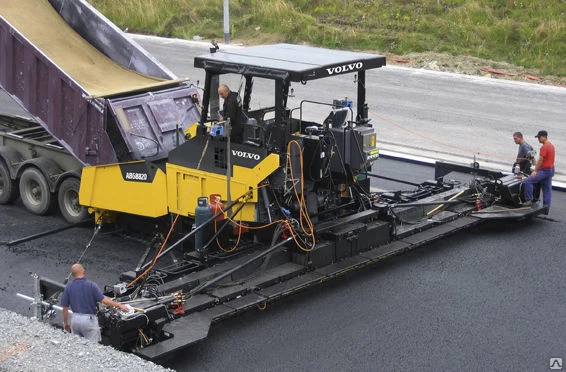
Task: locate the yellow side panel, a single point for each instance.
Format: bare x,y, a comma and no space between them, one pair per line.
104,187
186,185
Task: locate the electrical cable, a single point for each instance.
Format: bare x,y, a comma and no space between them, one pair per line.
304,217
200,288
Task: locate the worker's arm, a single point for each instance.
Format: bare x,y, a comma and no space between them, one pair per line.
66,325
108,302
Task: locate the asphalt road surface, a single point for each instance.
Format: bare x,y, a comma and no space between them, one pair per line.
491,298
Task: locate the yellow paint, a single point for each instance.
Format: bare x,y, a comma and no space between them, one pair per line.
191,131
185,186
103,187
123,119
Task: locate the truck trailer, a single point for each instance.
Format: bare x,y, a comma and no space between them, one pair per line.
90,95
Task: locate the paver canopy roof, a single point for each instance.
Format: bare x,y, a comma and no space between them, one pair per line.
294,62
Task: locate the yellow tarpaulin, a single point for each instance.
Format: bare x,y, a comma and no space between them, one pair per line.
97,74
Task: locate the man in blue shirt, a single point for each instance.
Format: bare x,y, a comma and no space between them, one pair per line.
82,295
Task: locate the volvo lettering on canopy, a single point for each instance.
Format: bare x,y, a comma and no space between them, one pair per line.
345,68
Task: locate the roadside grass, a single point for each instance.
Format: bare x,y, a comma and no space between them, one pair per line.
528,33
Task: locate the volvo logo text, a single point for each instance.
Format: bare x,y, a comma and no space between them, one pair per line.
344,68
245,155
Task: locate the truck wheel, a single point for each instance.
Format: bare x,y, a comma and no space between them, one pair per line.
68,198
8,190
34,191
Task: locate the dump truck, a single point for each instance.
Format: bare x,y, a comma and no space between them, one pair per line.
87,95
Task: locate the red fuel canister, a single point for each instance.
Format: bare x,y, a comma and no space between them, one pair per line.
217,205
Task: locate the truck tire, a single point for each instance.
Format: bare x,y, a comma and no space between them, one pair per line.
8,190
68,198
34,191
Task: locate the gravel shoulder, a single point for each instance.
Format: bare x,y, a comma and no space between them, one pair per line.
30,345
469,65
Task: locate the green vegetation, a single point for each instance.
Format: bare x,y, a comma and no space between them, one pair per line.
528,33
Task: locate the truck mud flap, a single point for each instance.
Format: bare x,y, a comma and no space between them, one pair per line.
152,124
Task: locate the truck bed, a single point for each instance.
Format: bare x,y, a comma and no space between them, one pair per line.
97,74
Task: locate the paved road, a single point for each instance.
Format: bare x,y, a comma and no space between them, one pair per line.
440,116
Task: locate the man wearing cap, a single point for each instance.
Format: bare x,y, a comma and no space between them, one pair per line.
543,172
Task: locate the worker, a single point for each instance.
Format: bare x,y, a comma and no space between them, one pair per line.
543,172
232,109
523,162
82,295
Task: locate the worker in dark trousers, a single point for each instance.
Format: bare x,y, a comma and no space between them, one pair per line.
82,295
232,109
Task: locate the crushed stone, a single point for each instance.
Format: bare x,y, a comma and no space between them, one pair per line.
27,344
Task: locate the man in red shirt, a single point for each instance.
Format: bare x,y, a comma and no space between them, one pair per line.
543,172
